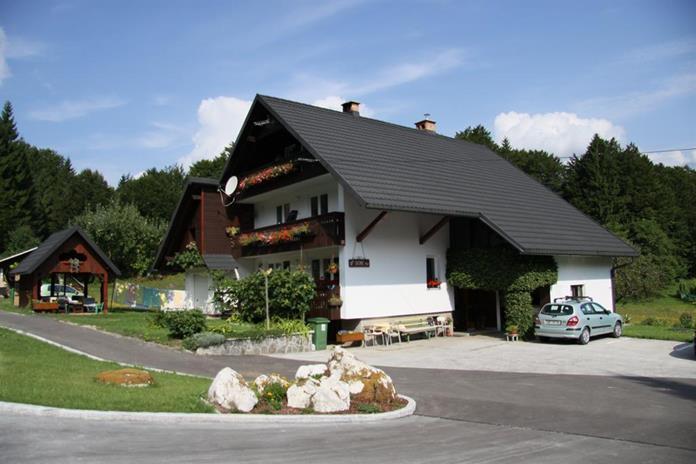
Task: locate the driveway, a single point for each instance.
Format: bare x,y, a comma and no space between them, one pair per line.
462,415
602,356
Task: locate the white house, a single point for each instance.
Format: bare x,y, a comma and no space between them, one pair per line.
371,209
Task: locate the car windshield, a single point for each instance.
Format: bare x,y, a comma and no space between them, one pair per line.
557,310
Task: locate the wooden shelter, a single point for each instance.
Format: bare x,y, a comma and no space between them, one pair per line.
70,253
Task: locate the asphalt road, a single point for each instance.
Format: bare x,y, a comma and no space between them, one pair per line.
462,416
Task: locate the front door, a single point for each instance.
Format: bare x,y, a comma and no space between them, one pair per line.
200,291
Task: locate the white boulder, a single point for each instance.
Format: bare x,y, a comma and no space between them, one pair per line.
230,392
332,395
310,370
366,383
300,394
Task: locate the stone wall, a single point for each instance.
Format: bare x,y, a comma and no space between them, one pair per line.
240,346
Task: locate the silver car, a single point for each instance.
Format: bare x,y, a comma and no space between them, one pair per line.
577,318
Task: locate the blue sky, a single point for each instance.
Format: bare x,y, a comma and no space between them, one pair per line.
124,86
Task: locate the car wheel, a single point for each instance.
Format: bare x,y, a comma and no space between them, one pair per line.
584,338
618,330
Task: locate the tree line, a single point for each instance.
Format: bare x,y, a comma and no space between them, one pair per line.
41,193
649,205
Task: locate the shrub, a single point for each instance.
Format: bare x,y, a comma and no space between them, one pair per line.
234,328
653,321
187,259
686,321
181,324
368,408
274,395
290,294
203,340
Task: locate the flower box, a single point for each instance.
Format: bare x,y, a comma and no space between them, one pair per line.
347,337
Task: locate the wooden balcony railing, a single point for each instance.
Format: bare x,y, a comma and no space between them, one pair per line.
325,230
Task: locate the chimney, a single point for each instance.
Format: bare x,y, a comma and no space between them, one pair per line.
351,107
426,124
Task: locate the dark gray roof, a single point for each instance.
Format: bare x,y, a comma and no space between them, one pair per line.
220,262
393,167
52,243
174,222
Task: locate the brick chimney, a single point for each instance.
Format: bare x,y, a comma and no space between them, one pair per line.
352,107
426,124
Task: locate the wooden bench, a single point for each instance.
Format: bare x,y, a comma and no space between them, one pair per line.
409,327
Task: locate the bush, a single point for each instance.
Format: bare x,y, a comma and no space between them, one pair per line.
273,395
289,292
181,324
653,321
203,340
234,328
686,321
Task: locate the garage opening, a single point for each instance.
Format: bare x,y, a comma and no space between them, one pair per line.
475,310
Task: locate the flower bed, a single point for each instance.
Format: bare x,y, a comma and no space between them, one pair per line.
273,237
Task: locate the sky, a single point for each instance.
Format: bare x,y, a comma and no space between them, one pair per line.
126,85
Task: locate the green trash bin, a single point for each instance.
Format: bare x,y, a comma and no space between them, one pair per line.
320,326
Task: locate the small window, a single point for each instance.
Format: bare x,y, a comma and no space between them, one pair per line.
431,277
286,264
557,310
599,309
316,269
324,200
587,309
282,213
314,203
577,291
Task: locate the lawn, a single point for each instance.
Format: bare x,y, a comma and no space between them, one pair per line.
666,309
38,373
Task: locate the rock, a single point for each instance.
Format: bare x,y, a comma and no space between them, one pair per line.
300,394
263,380
230,392
332,395
126,377
366,383
310,370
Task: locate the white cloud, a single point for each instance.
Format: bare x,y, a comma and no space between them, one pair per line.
334,102
220,120
559,133
640,102
674,158
72,109
13,49
4,68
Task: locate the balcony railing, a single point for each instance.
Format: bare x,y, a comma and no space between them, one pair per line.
321,231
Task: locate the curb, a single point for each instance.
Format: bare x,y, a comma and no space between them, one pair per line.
198,418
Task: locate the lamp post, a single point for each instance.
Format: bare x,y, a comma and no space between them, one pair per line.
266,273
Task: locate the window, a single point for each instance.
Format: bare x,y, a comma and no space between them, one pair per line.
431,277
599,309
319,204
282,213
324,203
577,291
587,309
286,264
316,269
557,310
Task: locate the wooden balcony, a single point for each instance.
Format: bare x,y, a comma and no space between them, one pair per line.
324,231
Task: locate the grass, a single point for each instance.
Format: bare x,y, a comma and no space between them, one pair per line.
131,323
666,308
37,373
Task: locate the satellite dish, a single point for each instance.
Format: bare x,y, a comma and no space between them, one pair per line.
231,185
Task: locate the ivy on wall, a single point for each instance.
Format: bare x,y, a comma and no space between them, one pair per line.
505,270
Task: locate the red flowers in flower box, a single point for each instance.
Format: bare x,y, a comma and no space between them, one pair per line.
273,237
266,175
434,283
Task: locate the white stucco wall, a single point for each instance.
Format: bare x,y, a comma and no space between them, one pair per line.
592,272
395,282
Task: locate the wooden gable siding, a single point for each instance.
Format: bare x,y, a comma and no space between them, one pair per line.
92,265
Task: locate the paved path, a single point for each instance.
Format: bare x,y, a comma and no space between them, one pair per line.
602,356
475,416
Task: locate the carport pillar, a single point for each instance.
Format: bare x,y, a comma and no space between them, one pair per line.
497,311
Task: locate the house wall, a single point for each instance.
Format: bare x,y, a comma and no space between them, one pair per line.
395,282
297,195
592,272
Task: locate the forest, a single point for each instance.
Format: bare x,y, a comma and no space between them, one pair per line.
649,205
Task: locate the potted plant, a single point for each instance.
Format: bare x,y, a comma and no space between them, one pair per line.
511,329
335,301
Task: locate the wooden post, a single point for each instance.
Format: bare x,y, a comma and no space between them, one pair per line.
105,292
433,230
361,236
